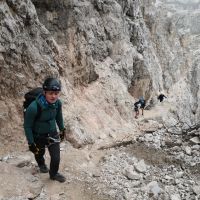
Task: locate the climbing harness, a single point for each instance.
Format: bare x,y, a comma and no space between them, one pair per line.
52,140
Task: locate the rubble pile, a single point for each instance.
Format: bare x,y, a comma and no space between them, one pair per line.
171,174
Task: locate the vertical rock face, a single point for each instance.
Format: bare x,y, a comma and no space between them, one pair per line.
172,28
27,50
27,53
151,44
119,49
89,32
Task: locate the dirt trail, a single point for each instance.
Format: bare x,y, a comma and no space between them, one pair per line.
158,111
75,163
79,165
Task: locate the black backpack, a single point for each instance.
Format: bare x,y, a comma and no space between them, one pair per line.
30,97
142,101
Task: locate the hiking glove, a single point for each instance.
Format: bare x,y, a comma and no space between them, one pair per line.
33,148
62,135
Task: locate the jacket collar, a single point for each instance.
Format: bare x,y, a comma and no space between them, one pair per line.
44,103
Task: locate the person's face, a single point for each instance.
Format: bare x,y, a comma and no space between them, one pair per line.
51,96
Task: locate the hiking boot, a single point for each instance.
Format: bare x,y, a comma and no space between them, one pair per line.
43,169
58,177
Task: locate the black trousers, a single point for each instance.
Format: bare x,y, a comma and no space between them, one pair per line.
54,152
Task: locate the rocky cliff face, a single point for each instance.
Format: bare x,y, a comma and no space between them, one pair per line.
27,53
107,54
174,35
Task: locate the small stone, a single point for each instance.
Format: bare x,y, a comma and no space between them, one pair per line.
196,147
196,189
141,166
130,174
177,181
188,150
153,188
20,161
136,184
5,158
179,174
175,197
195,140
149,137
192,164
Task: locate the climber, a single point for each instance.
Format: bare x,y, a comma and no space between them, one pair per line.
161,97
140,104
136,108
143,104
41,131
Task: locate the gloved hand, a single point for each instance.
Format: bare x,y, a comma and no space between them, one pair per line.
33,148
62,135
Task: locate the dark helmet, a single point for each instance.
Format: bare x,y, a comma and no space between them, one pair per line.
141,98
51,84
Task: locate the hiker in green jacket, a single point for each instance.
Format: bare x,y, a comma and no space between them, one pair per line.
42,132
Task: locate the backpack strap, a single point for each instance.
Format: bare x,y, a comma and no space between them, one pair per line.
59,107
39,111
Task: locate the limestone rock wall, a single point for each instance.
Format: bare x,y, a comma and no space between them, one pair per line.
27,54
27,49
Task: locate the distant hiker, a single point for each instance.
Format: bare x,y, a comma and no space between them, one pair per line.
140,104
136,108
40,120
143,104
161,97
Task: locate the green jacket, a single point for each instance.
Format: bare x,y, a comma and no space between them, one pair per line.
51,114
